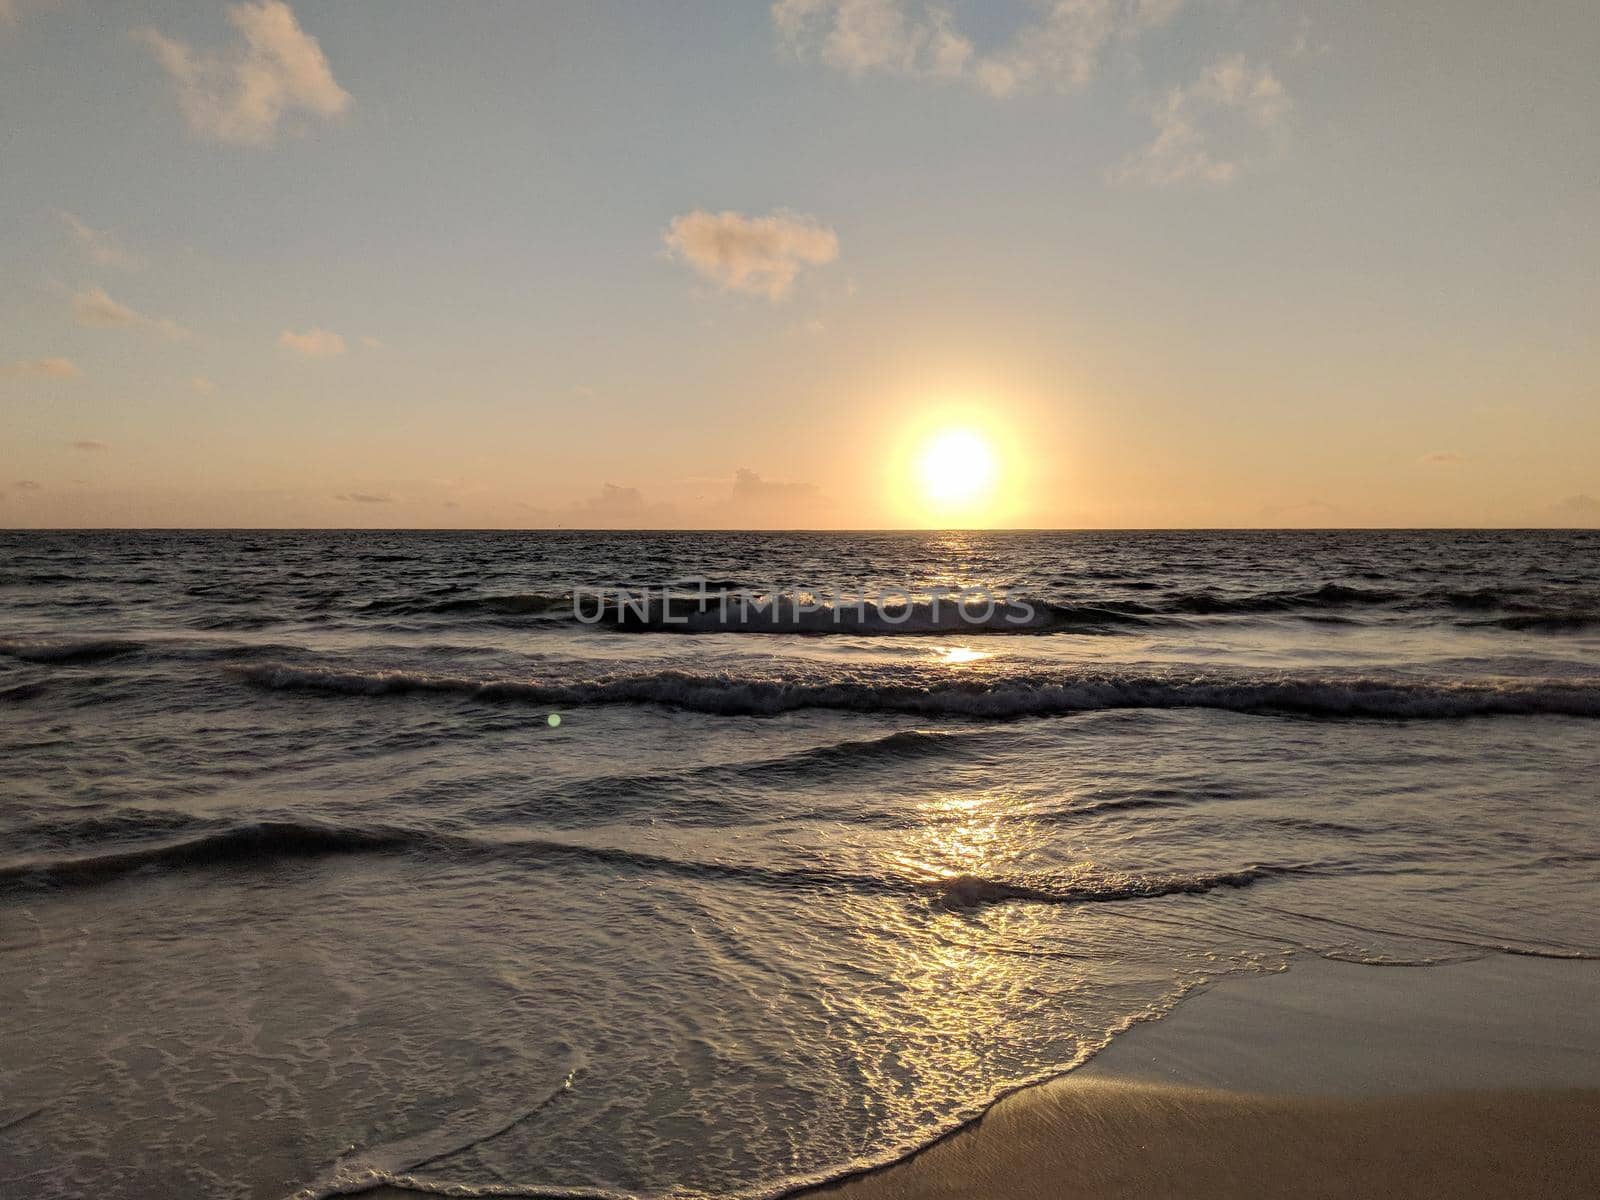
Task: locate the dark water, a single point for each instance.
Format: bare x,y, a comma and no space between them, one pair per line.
299,883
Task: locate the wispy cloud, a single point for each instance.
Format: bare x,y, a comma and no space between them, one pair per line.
29,485
1439,457
313,343
11,10
100,247
1581,509
1230,96
48,368
365,497
761,255
89,444
241,94
1062,48
97,310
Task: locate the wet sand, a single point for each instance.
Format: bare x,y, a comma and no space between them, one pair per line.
1326,1080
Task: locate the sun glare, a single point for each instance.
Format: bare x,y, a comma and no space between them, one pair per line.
957,470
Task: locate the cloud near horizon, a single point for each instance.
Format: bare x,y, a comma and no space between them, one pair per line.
1062,48
1582,508
759,255
241,95
313,343
1231,98
365,497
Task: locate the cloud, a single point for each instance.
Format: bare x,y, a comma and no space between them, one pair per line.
1229,99
202,385
97,310
372,343
1581,509
760,255
89,444
1063,48
614,501
11,10
754,501
614,506
617,505
1443,456
49,368
1309,512
100,247
29,485
365,497
241,94
313,343
750,488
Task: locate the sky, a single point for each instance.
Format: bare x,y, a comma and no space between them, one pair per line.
1173,263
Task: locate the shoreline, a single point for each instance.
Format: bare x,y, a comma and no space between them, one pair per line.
1328,1079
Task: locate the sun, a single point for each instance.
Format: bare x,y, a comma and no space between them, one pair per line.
956,472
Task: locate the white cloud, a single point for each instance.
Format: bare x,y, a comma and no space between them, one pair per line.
1229,99
241,95
97,310
313,343
89,444
100,247
365,497
1062,48
762,255
1443,456
49,368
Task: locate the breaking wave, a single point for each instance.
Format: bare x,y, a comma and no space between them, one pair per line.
995,696
265,843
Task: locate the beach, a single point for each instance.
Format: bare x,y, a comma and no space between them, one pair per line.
1325,1080
303,891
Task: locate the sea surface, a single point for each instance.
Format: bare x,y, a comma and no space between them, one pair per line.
333,858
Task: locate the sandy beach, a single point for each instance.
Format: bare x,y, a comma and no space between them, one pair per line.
1325,1080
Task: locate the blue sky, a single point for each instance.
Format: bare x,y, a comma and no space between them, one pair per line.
1188,263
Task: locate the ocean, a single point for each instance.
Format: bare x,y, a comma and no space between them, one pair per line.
691,864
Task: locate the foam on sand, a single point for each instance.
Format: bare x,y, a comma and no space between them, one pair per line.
1478,1078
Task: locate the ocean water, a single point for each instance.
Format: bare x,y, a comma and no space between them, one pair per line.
302,889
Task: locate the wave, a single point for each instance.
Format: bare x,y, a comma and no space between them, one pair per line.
811,764
1329,595
993,697
265,841
1568,622
67,651
513,604
268,842
726,606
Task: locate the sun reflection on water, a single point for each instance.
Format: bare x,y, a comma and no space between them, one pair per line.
955,656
